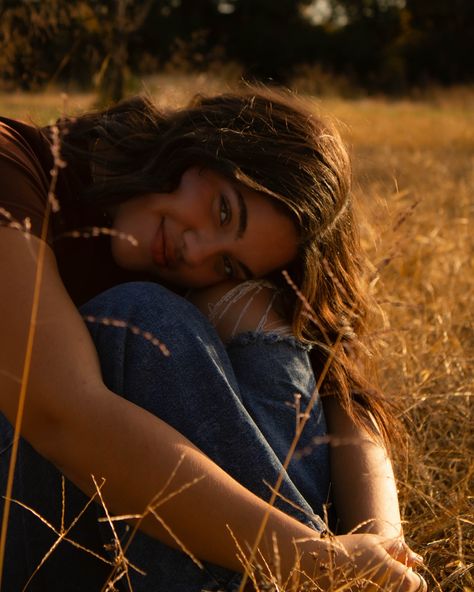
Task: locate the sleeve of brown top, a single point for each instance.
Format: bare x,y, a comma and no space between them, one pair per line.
24,175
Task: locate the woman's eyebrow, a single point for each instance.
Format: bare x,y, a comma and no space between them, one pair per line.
242,214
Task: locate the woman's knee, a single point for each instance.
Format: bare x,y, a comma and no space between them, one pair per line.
140,301
141,329
148,311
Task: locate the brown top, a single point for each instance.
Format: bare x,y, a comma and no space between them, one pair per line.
85,264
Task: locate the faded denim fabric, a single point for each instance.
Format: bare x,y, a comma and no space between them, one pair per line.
236,403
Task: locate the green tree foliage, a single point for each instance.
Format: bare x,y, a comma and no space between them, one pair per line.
268,37
80,40
439,43
37,40
397,44
121,19
365,46
381,44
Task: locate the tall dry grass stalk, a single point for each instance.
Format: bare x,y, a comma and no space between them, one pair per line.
51,205
414,178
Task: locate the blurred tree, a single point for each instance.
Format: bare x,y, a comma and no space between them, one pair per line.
120,19
41,42
183,33
268,37
440,42
364,42
30,35
381,44
395,44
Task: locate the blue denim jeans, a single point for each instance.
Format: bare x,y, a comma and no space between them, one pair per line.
235,403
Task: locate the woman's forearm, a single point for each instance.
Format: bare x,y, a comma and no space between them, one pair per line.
215,513
363,485
73,420
202,516
82,427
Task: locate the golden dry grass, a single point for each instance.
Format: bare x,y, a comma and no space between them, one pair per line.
414,176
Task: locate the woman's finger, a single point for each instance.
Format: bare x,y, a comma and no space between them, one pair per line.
423,587
387,571
404,579
399,550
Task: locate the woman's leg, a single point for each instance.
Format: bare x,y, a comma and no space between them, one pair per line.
195,391
275,378
276,383
39,486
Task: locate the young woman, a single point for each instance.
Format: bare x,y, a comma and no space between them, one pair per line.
113,209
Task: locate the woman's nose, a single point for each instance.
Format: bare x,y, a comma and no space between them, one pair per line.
199,248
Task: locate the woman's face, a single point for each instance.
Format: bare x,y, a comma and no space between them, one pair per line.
207,230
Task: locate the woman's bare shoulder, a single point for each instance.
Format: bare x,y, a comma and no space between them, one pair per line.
25,162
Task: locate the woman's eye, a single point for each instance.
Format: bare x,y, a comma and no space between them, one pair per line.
225,213
228,269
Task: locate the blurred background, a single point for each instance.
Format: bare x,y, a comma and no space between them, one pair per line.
397,75
346,47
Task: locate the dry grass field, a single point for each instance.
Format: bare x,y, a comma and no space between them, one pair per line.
414,177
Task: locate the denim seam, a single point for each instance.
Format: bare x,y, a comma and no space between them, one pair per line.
265,337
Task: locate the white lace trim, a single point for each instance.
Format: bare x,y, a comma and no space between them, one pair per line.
248,290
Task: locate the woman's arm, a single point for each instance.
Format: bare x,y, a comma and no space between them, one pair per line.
72,419
362,480
363,485
76,422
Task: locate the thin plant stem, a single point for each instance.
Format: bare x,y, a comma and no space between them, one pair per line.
24,384
51,205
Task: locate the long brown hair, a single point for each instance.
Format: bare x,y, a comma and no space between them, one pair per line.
273,142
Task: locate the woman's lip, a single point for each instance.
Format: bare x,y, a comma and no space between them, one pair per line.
158,249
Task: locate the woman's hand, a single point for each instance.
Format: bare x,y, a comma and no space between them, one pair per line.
400,551
370,561
365,495
351,563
